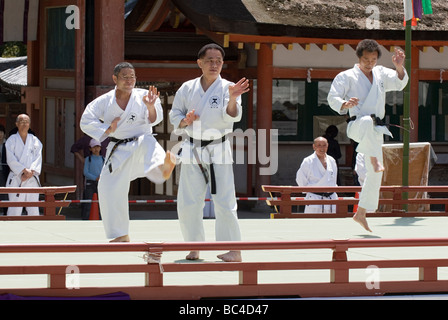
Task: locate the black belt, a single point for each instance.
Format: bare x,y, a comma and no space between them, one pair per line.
203,144
117,143
120,141
376,120
323,194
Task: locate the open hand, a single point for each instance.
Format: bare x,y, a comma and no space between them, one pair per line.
189,118
398,58
239,88
150,99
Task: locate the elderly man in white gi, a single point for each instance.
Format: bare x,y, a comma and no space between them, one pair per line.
361,91
318,170
126,115
24,158
206,108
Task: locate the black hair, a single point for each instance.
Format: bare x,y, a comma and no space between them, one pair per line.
369,45
210,46
122,65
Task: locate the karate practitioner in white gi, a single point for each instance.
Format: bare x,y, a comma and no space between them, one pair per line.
318,170
361,91
24,158
126,115
206,108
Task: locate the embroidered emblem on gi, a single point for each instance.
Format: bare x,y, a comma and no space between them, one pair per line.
381,85
132,118
214,101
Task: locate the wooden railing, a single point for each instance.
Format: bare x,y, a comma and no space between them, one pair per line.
283,199
49,203
153,287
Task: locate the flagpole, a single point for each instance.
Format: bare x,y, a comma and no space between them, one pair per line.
406,109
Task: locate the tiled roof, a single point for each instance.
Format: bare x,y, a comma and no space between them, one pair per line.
13,71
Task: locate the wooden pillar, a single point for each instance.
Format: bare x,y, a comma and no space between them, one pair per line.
109,39
264,110
413,110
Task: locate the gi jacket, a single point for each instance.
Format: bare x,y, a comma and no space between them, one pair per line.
134,123
21,156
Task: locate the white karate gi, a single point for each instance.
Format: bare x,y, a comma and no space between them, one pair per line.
213,124
313,174
372,96
23,156
360,168
129,161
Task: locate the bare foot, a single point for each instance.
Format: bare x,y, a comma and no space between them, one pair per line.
193,255
360,217
168,166
377,166
121,239
231,256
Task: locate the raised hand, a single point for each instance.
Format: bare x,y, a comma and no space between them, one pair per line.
398,58
239,88
151,98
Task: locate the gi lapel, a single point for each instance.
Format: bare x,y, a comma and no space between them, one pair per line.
27,151
209,95
125,115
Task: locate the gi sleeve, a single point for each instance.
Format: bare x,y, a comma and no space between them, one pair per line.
239,108
179,108
392,81
338,91
36,165
302,174
13,162
159,113
91,123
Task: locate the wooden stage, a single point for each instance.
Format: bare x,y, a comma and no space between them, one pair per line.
228,282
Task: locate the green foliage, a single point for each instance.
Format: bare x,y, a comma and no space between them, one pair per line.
12,49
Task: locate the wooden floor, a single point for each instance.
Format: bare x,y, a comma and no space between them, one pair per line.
155,230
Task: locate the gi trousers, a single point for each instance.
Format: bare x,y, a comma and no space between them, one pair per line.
23,197
190,203
370,192
362,130
142,159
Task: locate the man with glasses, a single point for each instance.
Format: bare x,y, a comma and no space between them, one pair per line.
24,158
205,108
126,115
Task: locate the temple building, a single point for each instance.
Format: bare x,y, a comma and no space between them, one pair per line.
290,50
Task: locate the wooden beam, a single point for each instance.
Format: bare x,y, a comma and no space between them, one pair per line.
301,73
322,46
423,48
300,40
226,41
339,47
305,46
264,107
